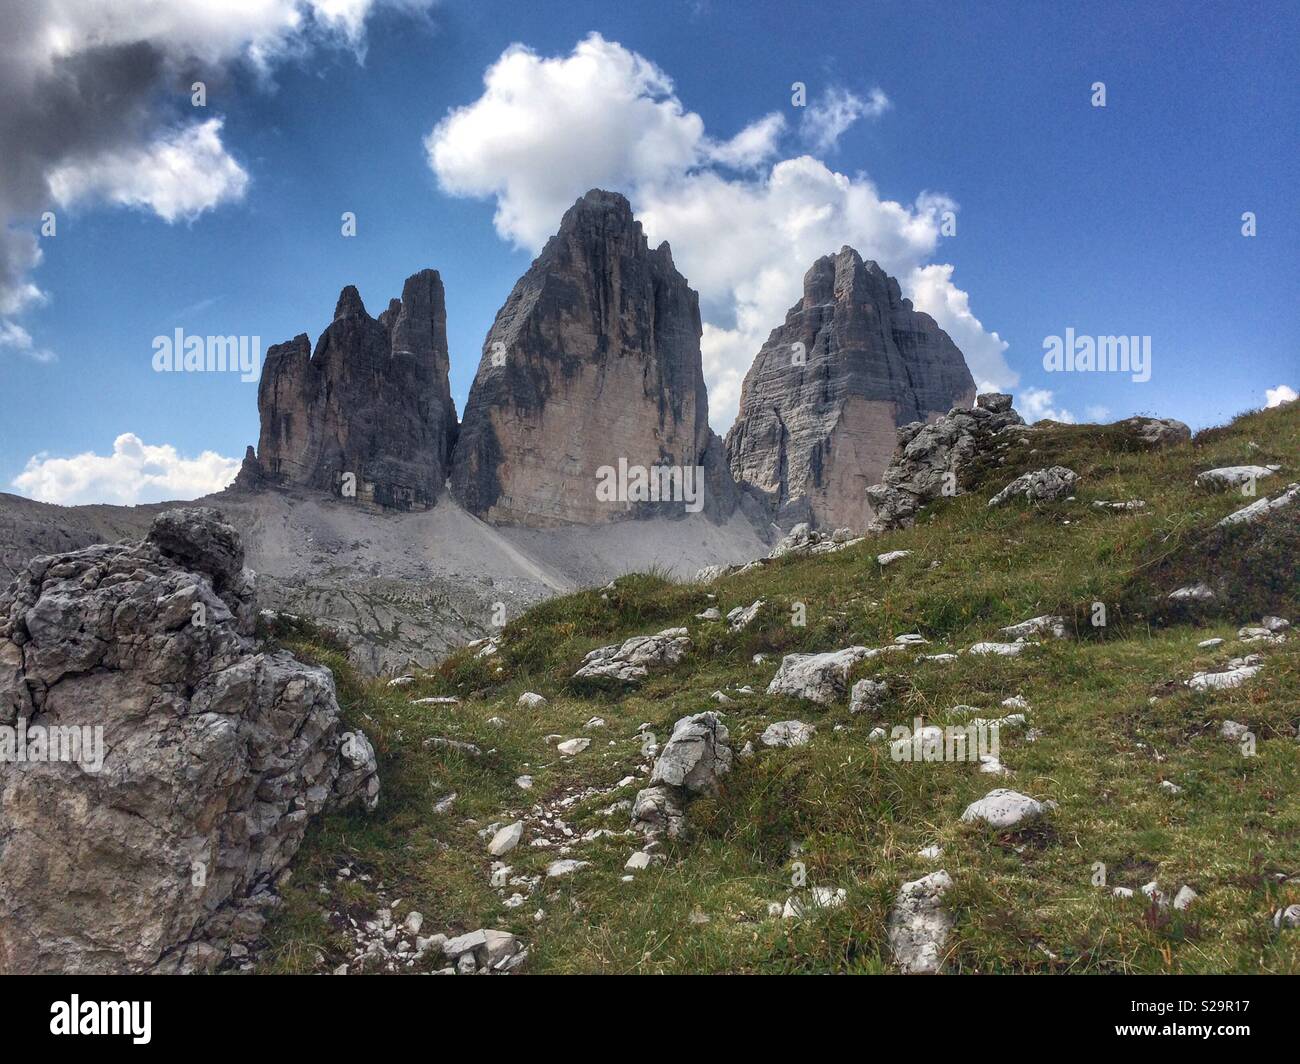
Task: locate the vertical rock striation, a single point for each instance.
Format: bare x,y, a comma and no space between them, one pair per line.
169,764
373,400
820,405
594,360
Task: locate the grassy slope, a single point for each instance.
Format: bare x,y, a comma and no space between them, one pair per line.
1114,717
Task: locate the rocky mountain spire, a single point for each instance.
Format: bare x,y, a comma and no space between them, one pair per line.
373,400
592,363
820,405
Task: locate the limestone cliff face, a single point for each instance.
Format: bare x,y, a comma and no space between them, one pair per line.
593,360
817,423
373,400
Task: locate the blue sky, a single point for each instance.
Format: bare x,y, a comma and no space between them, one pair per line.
1117,220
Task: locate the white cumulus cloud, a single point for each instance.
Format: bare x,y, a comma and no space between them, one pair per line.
181,174
1035,404
135,472
97,105
1283,393
745,217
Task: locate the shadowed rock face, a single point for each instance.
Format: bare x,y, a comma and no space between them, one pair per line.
595,357
373,400
190,759
811,437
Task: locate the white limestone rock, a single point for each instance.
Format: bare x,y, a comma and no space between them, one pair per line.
919,925
787,733
1005,809
819,678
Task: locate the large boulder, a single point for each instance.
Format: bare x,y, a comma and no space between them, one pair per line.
154,840
1156,431
821,403
693,761
820,678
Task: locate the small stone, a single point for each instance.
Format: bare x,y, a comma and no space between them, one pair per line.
1287,918
557,869
1184,897
1193,593
573,746
506,839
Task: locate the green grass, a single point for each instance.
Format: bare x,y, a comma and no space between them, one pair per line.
1114,716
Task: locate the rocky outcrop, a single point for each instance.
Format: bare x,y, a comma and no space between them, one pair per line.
929,460
590,382
693,761
1156,431
630,661
178,766
820,406
369,414
820,678
1040,485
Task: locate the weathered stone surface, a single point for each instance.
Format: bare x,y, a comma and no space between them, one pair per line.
741,617
693,761
1263,508
803,540
1198,592
1041,485
919,925
1006,809
373,401
696,755
631,660
1234,476
867,694
593,360
1048,624
506,839
787,733
821,403
1236,673
929,460
818,678
1156,431
215,756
